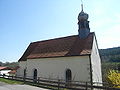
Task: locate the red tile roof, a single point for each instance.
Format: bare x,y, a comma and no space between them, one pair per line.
65,46
1,68
5,68
12,72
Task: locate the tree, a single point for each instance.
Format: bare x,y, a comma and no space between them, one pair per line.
113,78
9,64
1,64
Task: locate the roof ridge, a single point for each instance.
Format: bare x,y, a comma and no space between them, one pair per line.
54,39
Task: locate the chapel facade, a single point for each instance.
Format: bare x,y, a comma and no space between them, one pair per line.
73,57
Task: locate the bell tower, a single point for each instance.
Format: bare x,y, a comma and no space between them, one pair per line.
83,24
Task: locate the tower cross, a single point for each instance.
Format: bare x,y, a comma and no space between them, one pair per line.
82,5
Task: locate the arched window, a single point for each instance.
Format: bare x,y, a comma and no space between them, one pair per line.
35,75
68,74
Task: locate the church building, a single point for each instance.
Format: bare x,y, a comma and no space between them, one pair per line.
69,58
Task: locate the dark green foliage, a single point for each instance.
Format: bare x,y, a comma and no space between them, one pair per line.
8,64
110,60
110,54
115,59
119,67
110,51
106,66
1,63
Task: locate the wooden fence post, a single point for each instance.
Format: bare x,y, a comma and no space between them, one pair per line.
58,84
3,75
12,77
24,79
86,86
38,79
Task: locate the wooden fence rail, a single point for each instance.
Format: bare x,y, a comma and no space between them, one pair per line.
58,83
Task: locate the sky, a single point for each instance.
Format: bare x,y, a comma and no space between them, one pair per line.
26,21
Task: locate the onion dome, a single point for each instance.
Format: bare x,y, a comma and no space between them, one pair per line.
82,15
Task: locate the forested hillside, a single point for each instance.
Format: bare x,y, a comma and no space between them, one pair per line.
110,54
110,61
9,64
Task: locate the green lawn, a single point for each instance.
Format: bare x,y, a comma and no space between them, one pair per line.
10,81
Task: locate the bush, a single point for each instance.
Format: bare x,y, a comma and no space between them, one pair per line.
113,78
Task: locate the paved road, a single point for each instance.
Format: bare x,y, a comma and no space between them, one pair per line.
4,86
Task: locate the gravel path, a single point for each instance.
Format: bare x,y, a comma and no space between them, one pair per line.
4,86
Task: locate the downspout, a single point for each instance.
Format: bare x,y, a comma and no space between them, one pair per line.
91,76
26,69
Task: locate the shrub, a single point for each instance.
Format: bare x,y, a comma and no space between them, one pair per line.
113,78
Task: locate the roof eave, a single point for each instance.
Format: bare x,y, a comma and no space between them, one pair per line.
59,56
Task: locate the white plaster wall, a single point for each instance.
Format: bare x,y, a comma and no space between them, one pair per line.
20,70
5,72
96,63
56,67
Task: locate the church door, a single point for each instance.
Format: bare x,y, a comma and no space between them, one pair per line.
35,76
68,75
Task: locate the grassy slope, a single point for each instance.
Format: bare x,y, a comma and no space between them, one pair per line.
10,81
